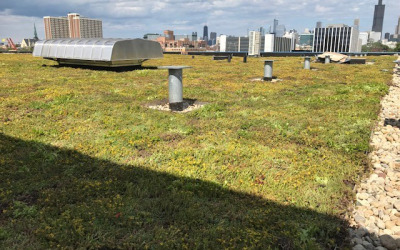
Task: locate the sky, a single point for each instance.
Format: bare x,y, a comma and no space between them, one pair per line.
134,18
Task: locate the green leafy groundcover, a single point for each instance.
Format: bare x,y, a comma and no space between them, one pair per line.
84,162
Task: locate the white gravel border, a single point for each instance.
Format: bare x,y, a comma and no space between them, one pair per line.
376,214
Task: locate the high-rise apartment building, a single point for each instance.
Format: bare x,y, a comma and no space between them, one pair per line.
56,27
379,14
72,26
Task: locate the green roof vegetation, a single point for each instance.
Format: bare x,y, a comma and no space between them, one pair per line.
85,164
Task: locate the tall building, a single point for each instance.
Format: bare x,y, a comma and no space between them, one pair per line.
262,30
356,23
379,14
364,36
336,38
205,33
72,26
397,31
275,26
254,43
194,36
319,25
213,38
56,27
387,35
374,36
169,34
280,30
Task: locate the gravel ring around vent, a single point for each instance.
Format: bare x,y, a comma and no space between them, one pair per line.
188,105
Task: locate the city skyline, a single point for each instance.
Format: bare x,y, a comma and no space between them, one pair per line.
126,19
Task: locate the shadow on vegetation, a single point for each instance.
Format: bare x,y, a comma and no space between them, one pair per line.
165,101
99,68
392,122
53,197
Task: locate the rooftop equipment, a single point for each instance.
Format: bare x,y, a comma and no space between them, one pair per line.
175,86
268,65
307,62
98,51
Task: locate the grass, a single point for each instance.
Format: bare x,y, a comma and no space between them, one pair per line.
84,164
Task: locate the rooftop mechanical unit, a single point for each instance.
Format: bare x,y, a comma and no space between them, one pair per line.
98,51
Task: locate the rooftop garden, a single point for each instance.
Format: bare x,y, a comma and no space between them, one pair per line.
84,163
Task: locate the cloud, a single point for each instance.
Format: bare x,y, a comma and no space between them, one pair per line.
322,9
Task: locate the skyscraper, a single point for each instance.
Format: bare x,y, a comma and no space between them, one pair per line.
205,33
378,17
262,31
319,25
356,24
213,38
397,31
194,36
280,30
275,26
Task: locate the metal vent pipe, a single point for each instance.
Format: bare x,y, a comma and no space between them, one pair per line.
307,62
327,59
268,70
175,86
